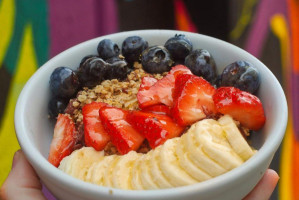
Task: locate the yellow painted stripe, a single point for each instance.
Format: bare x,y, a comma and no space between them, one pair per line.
7,15
280,29
26,66
243,20
285,183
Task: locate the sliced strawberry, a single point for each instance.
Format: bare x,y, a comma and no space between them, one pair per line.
161,91
94,133
64,139
158,109
122,134
147,82
242,106
193,99
156,128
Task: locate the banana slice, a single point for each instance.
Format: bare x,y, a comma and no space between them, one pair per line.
78,163
66,164
135,174
214,129
219,153
145,175
200,159
170,166
97,170
188,165
121,174
235,138
107,176
155,170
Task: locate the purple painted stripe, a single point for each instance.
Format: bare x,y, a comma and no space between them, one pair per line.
72,22
260,27
47,194
295,103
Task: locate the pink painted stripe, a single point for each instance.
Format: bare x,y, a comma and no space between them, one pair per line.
72,22
295,104
107,17
260,27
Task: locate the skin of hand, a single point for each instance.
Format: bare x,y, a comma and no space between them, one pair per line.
23,181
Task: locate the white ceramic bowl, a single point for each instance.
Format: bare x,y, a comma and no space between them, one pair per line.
34,131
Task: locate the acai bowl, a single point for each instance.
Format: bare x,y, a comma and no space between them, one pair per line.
35,130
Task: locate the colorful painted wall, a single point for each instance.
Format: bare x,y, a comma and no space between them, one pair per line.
32,31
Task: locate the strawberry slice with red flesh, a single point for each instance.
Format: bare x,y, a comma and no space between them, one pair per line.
147,82
144,96
64,139
242,106
161,91
122,134
193,99
94,133
158,109
156,128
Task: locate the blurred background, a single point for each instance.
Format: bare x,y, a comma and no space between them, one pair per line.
33,31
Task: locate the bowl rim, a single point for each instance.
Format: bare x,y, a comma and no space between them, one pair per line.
38,161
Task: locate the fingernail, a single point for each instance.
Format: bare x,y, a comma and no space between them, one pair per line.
15,158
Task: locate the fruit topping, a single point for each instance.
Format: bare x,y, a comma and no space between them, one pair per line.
132,48
201,63
122,134
242,106
158,109
64,139
179,47
118,69
92,71
115,59
161,91
242,75
147,82
107,49
156,128
156,59
94,133
56,105
64,82
171,99
193,99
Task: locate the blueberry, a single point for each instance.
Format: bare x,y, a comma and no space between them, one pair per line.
179,47
107,49
64,82
156,59
87,58
242,75
115,59
118,68
132,47
201,63
92,71
56,106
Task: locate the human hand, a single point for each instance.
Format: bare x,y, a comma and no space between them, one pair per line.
23,181
264,188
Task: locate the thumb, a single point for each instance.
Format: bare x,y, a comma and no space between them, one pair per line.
22,181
